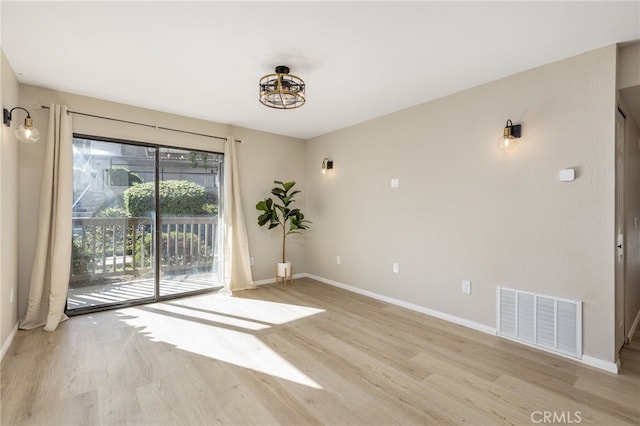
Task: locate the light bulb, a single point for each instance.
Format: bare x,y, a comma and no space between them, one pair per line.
26,132
507,142
324,170
510,137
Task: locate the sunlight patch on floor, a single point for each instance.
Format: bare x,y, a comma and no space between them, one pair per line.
208,326
249,309
208,317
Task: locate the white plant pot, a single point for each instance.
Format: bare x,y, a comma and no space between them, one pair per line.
284,269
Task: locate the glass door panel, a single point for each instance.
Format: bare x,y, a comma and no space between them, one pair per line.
113,228
189,197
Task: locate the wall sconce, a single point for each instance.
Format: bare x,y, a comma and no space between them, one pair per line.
26,132
507,141
326,165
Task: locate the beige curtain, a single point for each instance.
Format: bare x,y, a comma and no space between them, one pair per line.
237,267
51,264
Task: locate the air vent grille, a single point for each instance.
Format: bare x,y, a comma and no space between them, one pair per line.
548,322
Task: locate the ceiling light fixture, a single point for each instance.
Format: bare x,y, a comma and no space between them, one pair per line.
507,141
25,132
282,90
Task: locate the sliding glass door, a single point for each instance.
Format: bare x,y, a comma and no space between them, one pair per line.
145,223
189,194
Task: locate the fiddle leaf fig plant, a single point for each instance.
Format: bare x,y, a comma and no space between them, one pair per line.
279,213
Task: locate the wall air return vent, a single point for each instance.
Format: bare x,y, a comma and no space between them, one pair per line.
547,322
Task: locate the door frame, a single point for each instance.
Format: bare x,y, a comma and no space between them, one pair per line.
620,231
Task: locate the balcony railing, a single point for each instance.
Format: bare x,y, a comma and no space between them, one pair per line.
106,247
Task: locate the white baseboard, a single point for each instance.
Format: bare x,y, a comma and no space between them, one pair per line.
7,343
437,314
273,280
611,367
634,327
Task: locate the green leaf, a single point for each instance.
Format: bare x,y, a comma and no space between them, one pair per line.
264,219
265,205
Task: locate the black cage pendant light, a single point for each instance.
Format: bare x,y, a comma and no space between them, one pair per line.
282,90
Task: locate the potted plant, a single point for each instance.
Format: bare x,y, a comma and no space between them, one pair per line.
279,213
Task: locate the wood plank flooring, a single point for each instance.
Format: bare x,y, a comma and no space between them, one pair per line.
307,354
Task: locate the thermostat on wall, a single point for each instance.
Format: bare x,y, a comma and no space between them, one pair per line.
567,175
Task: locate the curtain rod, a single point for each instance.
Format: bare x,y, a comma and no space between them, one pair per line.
144,124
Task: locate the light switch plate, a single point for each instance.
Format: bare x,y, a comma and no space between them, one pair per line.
396,267
466,287
395,183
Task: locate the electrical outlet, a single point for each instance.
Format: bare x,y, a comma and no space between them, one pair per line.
396,267
395,183
338,260
466,287
11,295
252,261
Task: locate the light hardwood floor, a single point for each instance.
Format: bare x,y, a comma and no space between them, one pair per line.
306,354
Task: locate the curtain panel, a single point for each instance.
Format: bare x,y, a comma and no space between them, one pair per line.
52,260
237,266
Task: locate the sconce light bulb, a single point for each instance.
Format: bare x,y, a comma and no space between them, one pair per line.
507,142
326,165
27,134
510,137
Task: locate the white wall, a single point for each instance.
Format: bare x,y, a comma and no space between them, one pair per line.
8,204
629,65
263,158
466,211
